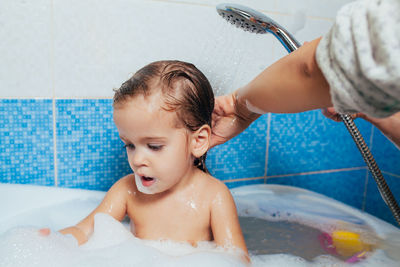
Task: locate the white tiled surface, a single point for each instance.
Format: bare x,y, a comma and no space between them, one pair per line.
84,49
25,48
104,44
262,5
317,8
311,29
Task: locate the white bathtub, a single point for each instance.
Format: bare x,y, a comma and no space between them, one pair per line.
39,206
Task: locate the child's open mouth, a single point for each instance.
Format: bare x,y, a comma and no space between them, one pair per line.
147,181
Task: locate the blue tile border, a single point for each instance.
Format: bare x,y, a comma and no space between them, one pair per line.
26,147
306,142
90,154
345,186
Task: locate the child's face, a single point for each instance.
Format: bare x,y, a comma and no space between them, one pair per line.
159,153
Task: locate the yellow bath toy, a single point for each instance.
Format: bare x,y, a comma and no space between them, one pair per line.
348,243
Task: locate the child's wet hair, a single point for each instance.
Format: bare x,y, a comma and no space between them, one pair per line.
185,90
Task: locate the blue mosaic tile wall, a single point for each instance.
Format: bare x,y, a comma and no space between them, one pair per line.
242,156
308,141
74,143
90,154
26,146
345,186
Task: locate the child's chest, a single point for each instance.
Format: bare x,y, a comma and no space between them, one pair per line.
175,219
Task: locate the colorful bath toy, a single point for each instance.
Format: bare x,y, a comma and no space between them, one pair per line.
345,244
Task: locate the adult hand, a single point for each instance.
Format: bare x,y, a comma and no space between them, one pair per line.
389,126
331,113
229,118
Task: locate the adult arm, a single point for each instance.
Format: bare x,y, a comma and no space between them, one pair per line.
355,68
292,84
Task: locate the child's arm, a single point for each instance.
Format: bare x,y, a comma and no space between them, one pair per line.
114,204
225,222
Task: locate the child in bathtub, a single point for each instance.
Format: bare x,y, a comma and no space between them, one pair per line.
163,116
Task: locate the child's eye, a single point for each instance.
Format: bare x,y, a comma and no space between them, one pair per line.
154,147
129,146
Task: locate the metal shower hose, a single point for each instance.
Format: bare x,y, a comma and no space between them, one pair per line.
373,167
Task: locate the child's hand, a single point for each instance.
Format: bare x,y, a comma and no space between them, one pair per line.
44,232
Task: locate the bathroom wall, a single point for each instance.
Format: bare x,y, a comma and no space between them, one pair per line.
60,61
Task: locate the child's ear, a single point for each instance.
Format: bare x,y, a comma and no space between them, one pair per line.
201,141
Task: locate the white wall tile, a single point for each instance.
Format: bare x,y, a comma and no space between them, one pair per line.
311,29
99,44
317,8
97,47
261,5
25,48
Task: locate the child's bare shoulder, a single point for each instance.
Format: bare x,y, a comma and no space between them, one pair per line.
216,187
123,185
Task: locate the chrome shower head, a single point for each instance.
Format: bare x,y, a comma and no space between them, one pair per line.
254,21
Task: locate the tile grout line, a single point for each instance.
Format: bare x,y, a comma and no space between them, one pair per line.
392,174
55,144
53,96
317,172
371,144
269,126
267,146
243,179
364,202
295,174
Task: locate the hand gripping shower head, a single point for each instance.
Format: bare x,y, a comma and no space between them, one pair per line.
256,22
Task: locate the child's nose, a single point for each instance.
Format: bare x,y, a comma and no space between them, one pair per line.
139,158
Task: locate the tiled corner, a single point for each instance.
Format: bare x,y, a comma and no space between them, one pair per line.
308,141
234,184
89,152
345,186
242,156
386,154
375,204
26,147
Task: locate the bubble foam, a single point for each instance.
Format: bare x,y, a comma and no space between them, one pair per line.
110,245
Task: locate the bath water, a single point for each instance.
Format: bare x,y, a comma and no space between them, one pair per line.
281,226
112,244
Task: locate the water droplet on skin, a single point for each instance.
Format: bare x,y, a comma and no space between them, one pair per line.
110,208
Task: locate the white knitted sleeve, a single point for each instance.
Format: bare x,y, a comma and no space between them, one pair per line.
360,58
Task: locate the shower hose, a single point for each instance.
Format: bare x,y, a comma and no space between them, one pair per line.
372,166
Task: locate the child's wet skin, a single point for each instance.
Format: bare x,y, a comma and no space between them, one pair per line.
166,134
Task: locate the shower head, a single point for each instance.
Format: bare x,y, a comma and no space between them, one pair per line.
254,21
